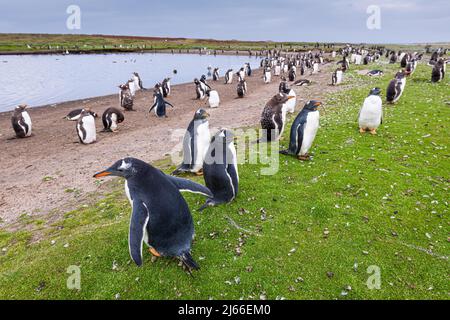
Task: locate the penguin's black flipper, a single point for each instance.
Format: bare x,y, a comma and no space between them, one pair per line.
138,223
154,105
188,261
169,103
185,185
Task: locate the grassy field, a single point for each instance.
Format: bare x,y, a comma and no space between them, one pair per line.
313,229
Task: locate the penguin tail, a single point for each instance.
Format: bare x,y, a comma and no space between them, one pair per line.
189,262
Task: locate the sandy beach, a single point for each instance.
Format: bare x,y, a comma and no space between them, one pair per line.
52,172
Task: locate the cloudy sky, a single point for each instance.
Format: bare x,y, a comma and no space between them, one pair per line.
402,21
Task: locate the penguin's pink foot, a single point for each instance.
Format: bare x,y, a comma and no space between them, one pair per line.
373,131
304,157
154,252
361,130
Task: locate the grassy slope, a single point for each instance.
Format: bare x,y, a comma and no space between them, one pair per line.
382,198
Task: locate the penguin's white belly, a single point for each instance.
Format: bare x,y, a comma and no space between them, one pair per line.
230,77
202,145
26,117
89,127
290,104
267,77
309,132
277,70
113,122
127,192
316,68
371,113
214,99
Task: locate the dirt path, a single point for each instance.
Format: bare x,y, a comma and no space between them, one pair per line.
37,173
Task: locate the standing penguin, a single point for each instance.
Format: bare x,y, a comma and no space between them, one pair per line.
396,87
126,98
165,87
411,67
303,131
438,72
241,88
160,216
21,122
131,85
200,88
229,76
137,81
267,75
216,74
289,106
86,127
241,74
110,118
160,105
273,117
336,79
371,113
220,169
213,98
195,144
292,73
248,69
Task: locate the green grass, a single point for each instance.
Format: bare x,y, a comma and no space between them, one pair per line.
363,200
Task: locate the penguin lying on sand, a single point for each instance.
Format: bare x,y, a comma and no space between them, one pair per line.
371,113
220,169
74,115
195,144
303,131
302,82
160,216
21,122
110,118
160,105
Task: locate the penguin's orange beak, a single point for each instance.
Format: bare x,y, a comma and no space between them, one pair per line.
318,104
291,97
102,174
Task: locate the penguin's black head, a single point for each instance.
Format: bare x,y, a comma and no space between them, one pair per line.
375,92
21,107
201,114
125,168
196,81
312,105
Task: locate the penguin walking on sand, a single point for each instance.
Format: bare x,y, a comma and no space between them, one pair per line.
438,72
195,144
284,88
267,75
371,113
166,87
74,115
86,127
126,98
213,98
160,216
229,76
396,87
241,88
273,117
200,88
220,169
216,74
336,78
160,105
21,122
303,131
111,118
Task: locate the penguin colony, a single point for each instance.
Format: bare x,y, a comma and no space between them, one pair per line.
160,216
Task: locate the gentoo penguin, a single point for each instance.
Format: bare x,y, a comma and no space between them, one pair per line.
213,98
302,82
75,115
165,87
126,98
160,105
21,122
203,80
195,144
404,60
273,117
137,81
200,89
86,127
241,88
160,216
345,65
289,106
132,87
375,73
277,70
393,59
292,73
229,76
336,79
248,69
315,68
267,75
438,72
304,130
220,169
110,118
396,87
241,74
216,74
411,67
371,113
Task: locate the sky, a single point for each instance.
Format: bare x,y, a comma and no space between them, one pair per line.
401,21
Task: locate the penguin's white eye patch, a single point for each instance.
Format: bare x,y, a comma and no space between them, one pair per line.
124,165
